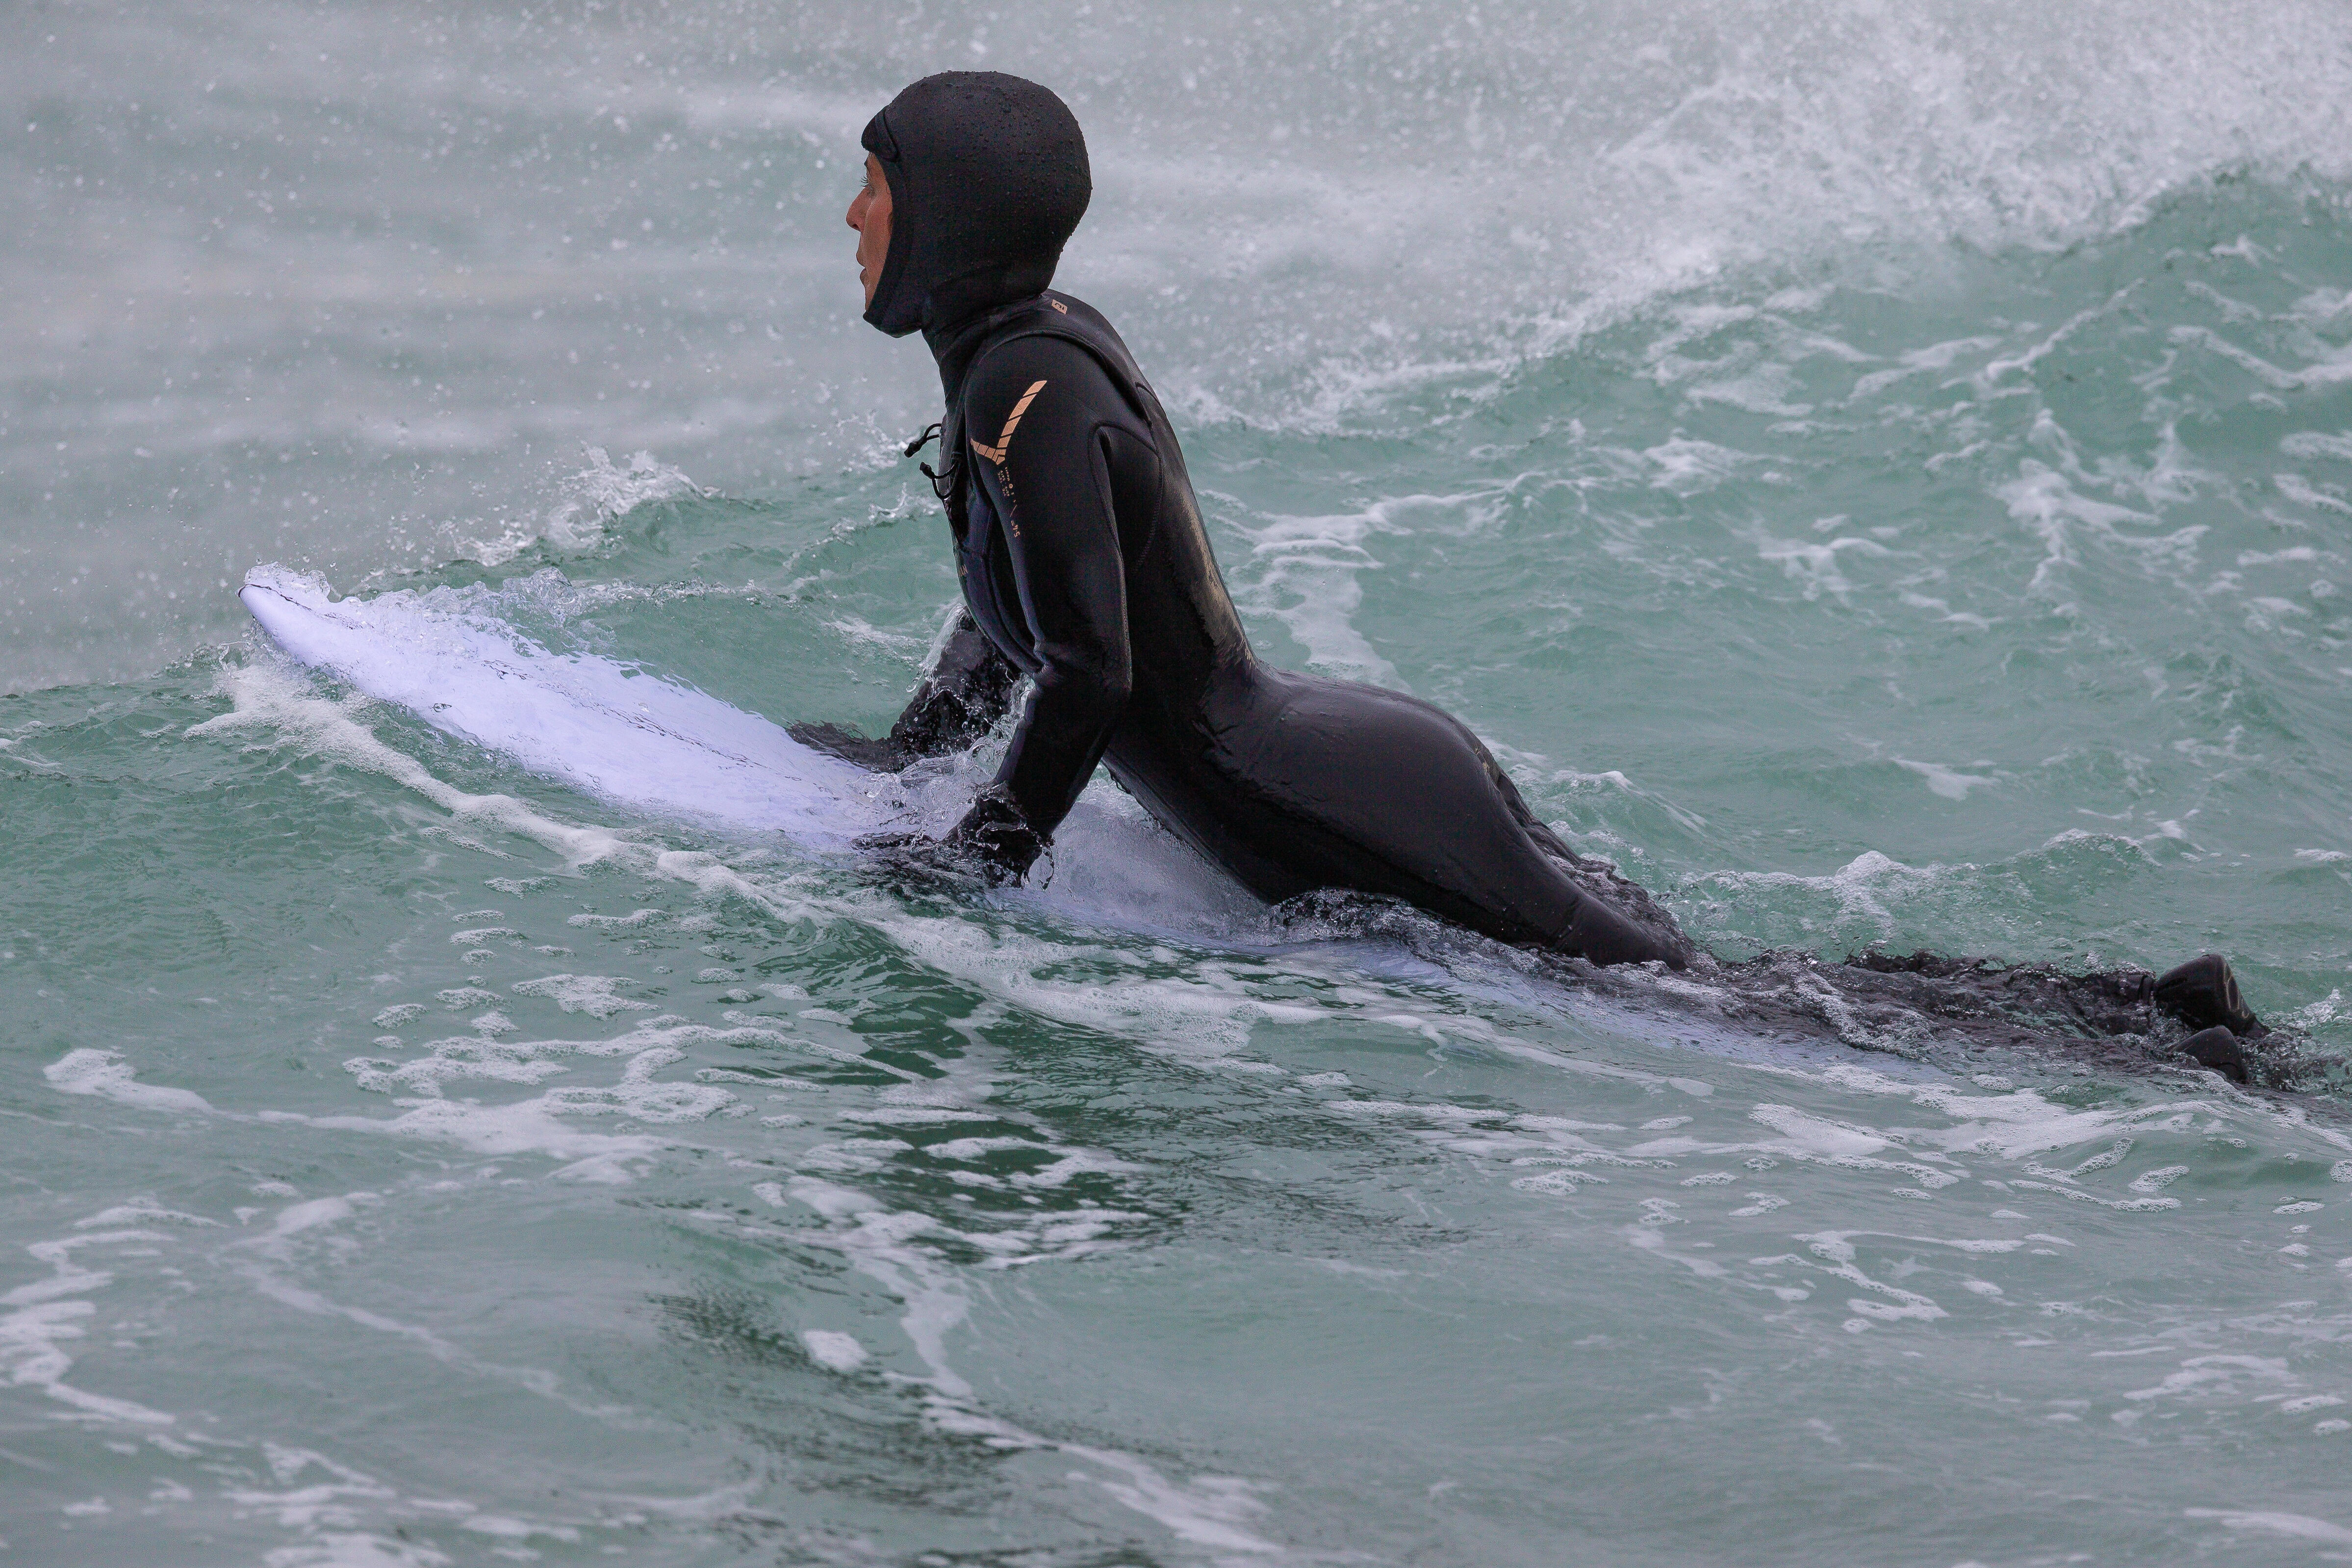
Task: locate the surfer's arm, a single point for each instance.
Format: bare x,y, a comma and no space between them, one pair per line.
1047,407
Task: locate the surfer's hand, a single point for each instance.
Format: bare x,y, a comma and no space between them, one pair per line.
994,838
993,845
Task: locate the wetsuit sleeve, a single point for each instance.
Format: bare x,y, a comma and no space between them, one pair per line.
1043,420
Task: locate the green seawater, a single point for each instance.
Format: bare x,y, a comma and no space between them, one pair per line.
1880,475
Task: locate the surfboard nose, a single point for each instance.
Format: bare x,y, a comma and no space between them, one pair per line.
270,605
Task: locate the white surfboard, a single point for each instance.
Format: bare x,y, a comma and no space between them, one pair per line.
654,746
608,730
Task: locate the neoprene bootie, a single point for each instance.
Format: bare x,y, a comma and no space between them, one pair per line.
2204,995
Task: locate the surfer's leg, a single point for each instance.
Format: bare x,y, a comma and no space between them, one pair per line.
961,697
1596,879
1521,865
2202,993
1604,935
1975,998
2103,1002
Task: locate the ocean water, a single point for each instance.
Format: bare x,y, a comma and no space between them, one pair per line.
1880,473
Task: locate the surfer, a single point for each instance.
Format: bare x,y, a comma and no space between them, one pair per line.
1086,567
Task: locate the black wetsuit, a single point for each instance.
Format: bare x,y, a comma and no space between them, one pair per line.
1084,560
1086,567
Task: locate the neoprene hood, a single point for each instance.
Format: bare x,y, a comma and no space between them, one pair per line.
988,179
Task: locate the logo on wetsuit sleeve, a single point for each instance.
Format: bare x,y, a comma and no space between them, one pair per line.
996,455
1004,439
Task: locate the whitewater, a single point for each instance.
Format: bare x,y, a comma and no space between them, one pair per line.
1880,474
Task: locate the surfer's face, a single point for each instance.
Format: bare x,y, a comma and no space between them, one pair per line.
869,215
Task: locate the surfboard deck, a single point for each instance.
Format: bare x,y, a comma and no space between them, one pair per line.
655,746
609,729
